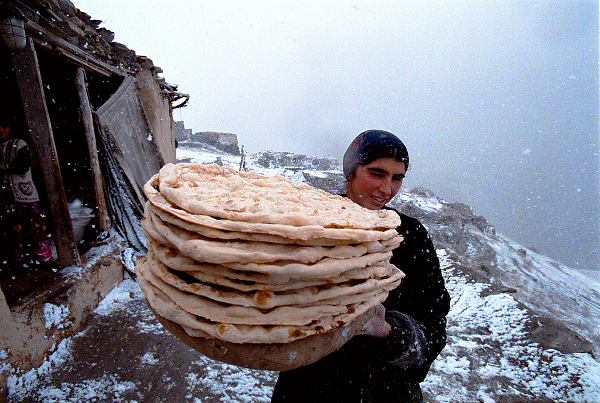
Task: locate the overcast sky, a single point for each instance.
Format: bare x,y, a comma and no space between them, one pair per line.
497,101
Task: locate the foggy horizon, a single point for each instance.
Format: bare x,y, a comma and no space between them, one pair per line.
497,102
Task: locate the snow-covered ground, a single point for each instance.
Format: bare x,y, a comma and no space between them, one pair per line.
149,371
488,359
491,355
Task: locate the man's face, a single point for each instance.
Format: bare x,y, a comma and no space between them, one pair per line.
4,132
375,184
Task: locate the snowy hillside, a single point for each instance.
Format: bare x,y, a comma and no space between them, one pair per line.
521,326
510,305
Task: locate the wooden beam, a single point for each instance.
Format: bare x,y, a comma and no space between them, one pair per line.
80,62
43,150
88,124
70,58
38,31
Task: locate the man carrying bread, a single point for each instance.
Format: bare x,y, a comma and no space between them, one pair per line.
393,352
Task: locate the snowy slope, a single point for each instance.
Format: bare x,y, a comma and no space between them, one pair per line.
549,288
521,366
521,326
490,356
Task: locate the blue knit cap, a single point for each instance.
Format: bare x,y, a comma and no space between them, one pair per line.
371,145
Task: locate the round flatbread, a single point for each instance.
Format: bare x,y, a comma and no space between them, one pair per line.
194,224
297,315
267,299
250,260
198,327
267,278
223,192
270,356
210,250
326,270
306,234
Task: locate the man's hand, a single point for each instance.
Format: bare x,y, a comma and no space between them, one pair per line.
377,326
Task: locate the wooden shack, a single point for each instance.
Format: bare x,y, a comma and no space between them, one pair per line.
98,122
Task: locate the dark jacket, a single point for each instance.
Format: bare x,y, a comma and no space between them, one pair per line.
368,369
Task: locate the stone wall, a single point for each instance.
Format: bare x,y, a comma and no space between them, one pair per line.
223,141
180,132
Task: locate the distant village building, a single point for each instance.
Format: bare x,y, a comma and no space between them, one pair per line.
181,133
98,120
227,142
223,141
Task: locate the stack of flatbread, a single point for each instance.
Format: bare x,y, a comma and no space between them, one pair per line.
258,272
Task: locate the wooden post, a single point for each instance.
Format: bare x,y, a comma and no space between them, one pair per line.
43,150
88,124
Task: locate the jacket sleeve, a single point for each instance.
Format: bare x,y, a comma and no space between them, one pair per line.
417,309
20,163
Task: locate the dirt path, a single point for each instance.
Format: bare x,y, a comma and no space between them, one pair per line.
125,355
